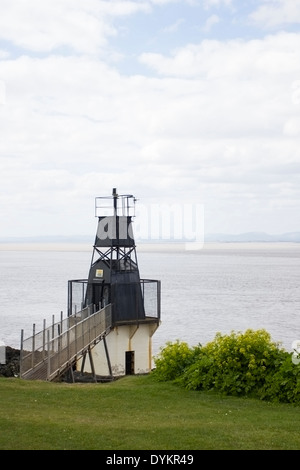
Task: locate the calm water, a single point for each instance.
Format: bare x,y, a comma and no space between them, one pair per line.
223,287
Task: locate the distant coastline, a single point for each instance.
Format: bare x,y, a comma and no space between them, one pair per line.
248,237
254,237
249,240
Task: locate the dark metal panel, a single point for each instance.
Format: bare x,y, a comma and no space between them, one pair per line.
126,297
114,231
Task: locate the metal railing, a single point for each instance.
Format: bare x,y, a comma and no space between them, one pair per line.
50,352
150,289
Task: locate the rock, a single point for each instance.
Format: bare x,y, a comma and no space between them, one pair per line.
12,366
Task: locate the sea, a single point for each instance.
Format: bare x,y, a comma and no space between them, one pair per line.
218,288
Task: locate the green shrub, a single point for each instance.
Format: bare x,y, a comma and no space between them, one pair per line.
284,385
240,364
172,360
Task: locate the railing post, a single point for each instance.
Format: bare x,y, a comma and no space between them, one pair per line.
68,344
59,344
76,333
158,300
33,345
44,338
21,353
82,296
53,331
48,359
70,301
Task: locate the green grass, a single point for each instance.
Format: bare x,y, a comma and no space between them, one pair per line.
137,413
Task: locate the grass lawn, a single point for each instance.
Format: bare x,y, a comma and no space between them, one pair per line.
137,413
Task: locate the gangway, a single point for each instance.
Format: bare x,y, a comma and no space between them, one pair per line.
50,353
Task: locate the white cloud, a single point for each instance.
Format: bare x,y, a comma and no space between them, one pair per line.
174,27
296,92
74,127
2,92
81,26
4,54
276,54
210,22
277,12
166,2
217,3
292,127
216,123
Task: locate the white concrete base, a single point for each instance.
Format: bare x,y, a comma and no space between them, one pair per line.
122,339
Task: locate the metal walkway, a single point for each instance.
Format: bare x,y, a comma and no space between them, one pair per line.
50,353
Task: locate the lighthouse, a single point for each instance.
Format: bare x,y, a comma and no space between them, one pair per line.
114,281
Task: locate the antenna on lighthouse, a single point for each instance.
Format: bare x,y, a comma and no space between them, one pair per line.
115,196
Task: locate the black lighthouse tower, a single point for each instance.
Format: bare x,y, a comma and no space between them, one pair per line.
114,275
131,305
112,315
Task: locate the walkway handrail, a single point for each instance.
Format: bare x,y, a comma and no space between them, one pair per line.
52,351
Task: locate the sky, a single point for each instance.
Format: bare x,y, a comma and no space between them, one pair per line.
181,103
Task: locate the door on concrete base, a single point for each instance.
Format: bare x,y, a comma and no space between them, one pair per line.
129,361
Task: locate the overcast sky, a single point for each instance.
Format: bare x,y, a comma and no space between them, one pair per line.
174,101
